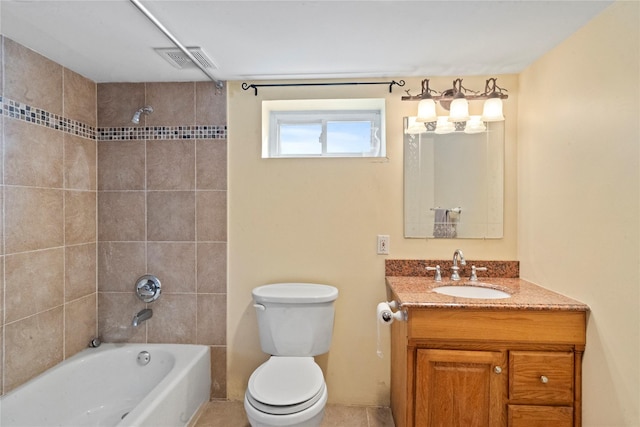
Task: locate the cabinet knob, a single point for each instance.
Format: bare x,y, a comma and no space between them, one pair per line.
497,369
544,379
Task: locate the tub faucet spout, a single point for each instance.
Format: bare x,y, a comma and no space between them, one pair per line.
141,316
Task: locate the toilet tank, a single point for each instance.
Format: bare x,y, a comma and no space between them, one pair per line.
295,319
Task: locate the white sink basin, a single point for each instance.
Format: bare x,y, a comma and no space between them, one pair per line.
471,291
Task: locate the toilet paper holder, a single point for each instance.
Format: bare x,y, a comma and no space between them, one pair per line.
386,313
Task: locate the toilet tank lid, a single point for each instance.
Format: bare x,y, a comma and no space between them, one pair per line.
299,293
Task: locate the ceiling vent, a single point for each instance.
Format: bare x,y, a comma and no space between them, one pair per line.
178,59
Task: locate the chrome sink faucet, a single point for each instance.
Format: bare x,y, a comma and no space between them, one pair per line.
455,275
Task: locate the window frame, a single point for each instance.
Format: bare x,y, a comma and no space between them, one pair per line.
323,111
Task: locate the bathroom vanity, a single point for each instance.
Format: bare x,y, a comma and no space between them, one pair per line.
512,361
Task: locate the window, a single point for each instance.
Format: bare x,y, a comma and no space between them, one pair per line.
323,128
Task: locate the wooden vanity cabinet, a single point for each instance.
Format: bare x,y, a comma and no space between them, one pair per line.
493,368
458,388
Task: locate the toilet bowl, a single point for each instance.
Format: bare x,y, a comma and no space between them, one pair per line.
286,391
295,321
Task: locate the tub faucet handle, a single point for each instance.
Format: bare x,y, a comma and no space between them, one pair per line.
148,288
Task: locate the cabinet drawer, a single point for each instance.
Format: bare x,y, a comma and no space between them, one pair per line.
540,416
541,377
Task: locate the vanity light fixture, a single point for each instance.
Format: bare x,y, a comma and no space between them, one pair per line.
459,109
426,106
492,109
456,100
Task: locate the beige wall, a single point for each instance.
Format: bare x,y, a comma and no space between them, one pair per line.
316,220
579,191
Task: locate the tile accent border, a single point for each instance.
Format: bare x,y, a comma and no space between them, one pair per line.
162,132
27,113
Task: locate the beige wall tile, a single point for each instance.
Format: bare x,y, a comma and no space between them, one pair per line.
80,324
211,163
2,119
173,104
174,264
212,267
117,102
80,163
33,219
2,63
380,416
34,282
80,217
31,78
211,216
2,216
174,319
339,415
33,155
211,104
121,165
2,291
115,316
223,413
171,165
80,98
24,342
219,375
120,264
1,355
171,215
121,215
212,319
80,271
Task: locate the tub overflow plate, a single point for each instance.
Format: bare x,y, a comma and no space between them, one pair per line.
144,358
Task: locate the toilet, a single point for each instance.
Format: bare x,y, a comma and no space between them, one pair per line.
295,322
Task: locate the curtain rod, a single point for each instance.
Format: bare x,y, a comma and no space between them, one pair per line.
175,41
246,86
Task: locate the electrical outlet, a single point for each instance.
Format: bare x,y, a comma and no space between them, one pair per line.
383,244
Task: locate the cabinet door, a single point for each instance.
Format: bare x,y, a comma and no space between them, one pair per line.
460,388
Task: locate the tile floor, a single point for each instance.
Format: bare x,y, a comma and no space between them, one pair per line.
231,414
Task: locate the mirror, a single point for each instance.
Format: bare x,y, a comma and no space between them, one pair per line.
454,182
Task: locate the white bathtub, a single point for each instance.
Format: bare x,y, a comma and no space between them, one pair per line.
107,386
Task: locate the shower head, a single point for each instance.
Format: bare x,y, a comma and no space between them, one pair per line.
136,116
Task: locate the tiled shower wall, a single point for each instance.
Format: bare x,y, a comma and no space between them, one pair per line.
162,211
49,216
92,203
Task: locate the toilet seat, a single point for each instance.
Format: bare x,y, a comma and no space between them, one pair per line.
285,385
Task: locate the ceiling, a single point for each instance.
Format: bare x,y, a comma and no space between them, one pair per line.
112,41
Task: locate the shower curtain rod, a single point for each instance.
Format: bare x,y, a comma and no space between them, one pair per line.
255,87
175,41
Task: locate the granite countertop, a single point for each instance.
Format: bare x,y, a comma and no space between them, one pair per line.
412,286
417,292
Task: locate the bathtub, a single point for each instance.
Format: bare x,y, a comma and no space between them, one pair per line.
112,386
